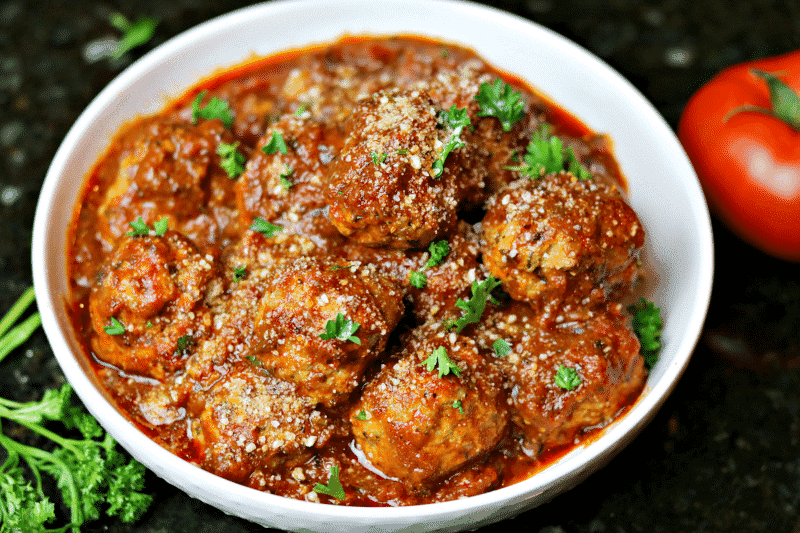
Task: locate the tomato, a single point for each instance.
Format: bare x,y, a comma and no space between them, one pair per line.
747,158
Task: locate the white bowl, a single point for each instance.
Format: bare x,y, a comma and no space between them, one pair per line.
663,190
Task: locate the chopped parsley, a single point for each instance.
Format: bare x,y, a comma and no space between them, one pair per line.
334,486
267,228
116,327
185,343
439,359
546,155
501,348
567,378
232,159
239,273
361,415
418,279
377,158
133,33
647,327
501,101
455,119
300,110
142,229
253,360
215,108
161,226
402,151
341,328
473,308
284,177
275,144
457,405
149,324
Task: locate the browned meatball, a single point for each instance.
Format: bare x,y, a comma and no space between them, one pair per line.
560,235
601,350
298,303
382,190
251,420
418,425
154,287
174,168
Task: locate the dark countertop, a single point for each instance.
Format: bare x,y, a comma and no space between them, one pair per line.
721,455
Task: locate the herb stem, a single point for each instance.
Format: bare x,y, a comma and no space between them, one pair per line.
16,310
19,334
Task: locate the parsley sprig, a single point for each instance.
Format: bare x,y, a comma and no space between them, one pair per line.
546,154
265,227
134,33
456,120
232,159
284,177
438,251
474,307
275,144
333,488
215,108
341,328
501,348
87,470
142,229
116,327
501,101
647,327
567,378
439,359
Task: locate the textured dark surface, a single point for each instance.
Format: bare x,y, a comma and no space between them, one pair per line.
722,453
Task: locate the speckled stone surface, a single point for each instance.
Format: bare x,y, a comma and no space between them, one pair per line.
723,454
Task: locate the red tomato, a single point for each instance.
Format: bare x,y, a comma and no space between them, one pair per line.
748,162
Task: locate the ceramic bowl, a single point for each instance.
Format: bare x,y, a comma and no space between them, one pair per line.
663,190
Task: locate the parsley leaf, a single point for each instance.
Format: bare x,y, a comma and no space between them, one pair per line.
647,327
284,177
361,415
215,108
161,227
501,348
402,151
546,154
418,279
334,487
473,308
438,358
501,101
377,158
185,343
116,327
275,144
341,328
232,159
239,273
300,110
134,33
457,405
139,228
267,228
455,119
439,251
567,378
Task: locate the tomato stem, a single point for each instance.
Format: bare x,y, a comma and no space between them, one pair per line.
784,101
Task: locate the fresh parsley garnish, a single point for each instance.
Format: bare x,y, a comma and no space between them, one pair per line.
402,151
377,158
161,226
185,343
361,415
546,154
457,405
567,378
439,359
284,177
473,308
438,251
149,324
647,327
341,328
456,120
116,327
501,101
253,360
267,228
334,486
300,110
275,144
232,159
239,273
141,229
418,279
501,348
134,33
215,108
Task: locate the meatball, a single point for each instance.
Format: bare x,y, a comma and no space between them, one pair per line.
174,168
417,424
154,288
251,421
382,190
602,351
560,235
301,302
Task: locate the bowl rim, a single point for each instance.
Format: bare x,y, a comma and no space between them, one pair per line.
607,443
